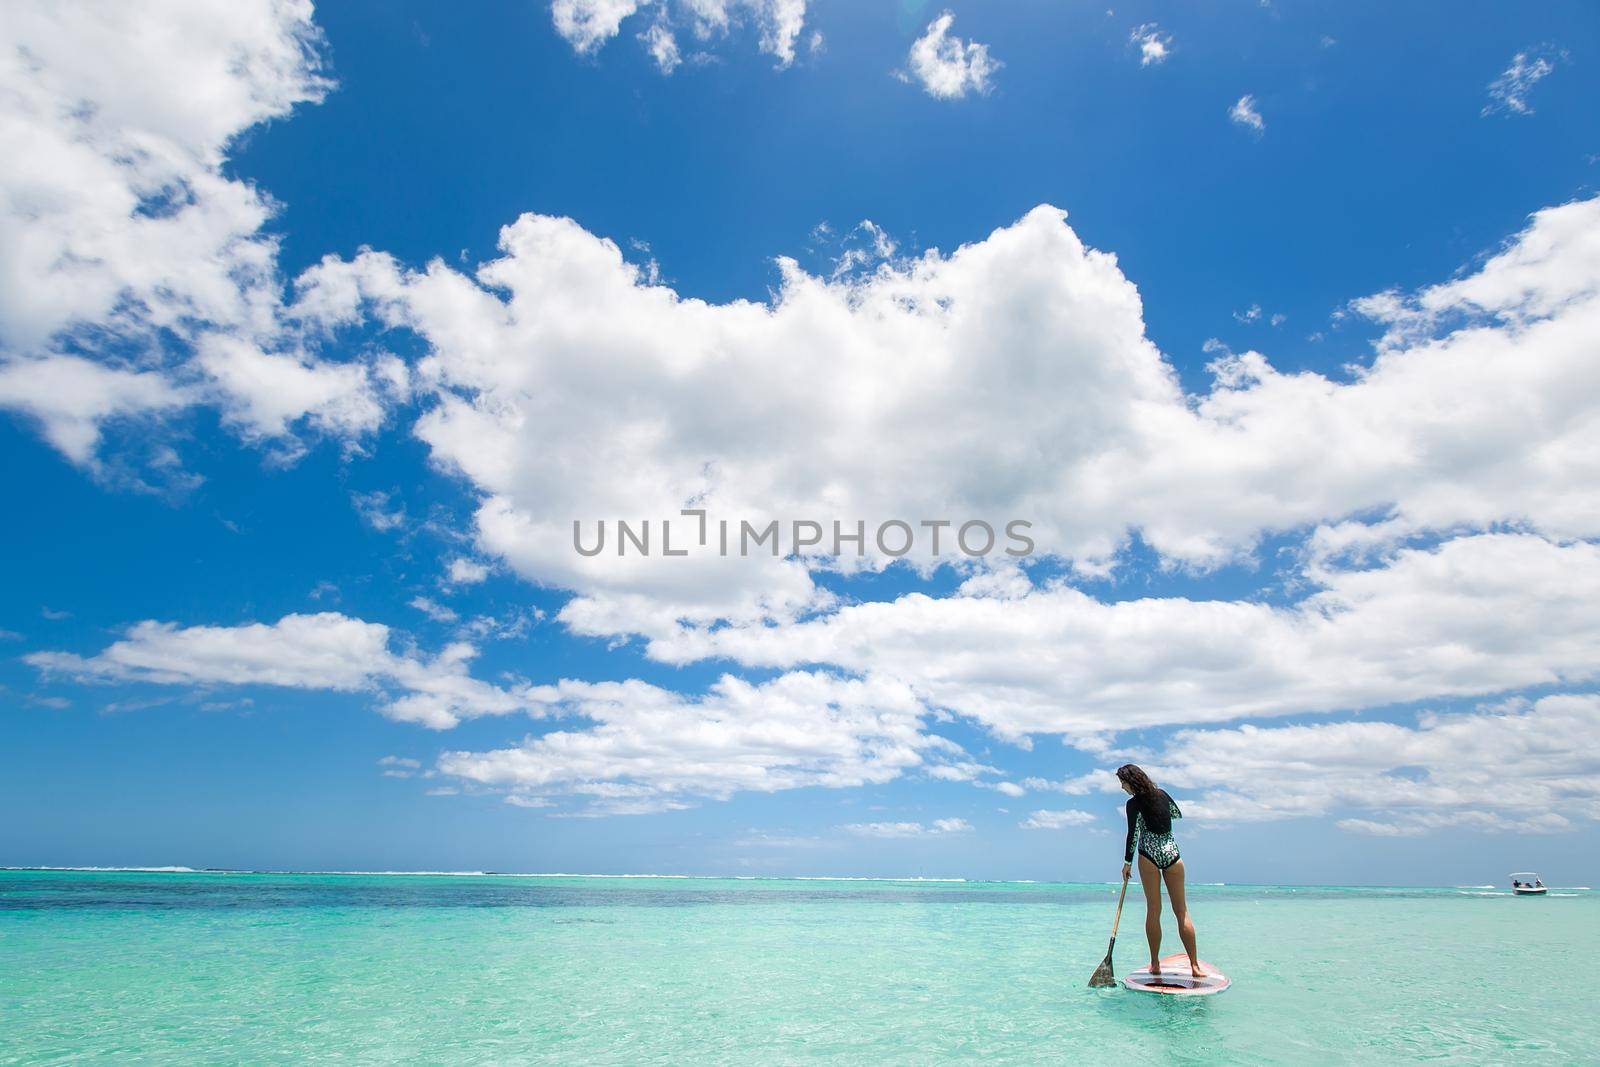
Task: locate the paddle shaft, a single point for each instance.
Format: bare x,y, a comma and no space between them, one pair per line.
1118,920
1103,975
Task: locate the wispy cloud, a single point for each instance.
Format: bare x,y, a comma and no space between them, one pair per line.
378,510
662,45
936,828
1508,94
399,766
1057,820
1254,314
1245,113
434,610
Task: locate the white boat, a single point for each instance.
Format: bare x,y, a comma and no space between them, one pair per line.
1527,884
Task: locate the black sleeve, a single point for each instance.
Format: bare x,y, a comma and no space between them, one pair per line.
1127,848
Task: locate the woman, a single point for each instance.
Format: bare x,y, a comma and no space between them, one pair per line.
1150,815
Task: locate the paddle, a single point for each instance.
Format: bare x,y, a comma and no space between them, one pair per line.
1103,975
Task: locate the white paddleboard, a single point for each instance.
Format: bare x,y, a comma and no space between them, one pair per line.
1175,978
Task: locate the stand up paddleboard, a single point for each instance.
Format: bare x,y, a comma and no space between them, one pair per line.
1176,979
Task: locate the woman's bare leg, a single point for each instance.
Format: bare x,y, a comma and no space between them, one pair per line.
1150,879
1180,911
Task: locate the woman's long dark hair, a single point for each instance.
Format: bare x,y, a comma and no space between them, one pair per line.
1134,777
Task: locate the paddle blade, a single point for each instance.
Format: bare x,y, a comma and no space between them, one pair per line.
1103,975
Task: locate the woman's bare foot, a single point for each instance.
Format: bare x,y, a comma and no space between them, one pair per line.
1155,966
1194,969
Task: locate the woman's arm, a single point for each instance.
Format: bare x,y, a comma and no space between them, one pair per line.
1127,846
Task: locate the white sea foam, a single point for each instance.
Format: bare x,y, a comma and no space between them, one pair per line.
861,878
717,877
128,870
396,874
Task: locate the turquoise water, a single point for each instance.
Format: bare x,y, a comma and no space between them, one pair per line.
132,967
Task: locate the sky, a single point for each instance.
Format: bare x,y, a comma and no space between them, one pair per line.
1272,323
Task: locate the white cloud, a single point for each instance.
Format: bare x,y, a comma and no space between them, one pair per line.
662,46
1475,615
266,392
652,749
514,624
120,232
554,438
1454,620
756,838
399,766
779,22
588,24
1519,768
1244,113
1550,271
118,118
1009,378
1419,824
1057,820
327,651
434,610
948,67
1102,781
1154,45
72,398
378,510
1251,315
467,572
909,829
1508,94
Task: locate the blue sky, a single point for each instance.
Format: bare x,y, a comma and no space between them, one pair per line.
1297,404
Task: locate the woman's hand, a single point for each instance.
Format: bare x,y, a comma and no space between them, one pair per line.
1127,869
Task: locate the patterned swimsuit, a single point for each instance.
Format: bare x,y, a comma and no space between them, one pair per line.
1158,847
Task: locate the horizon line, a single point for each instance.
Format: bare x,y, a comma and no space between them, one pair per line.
177,869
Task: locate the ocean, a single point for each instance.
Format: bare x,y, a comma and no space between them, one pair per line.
177,967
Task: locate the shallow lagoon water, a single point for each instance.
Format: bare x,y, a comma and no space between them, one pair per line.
162,967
